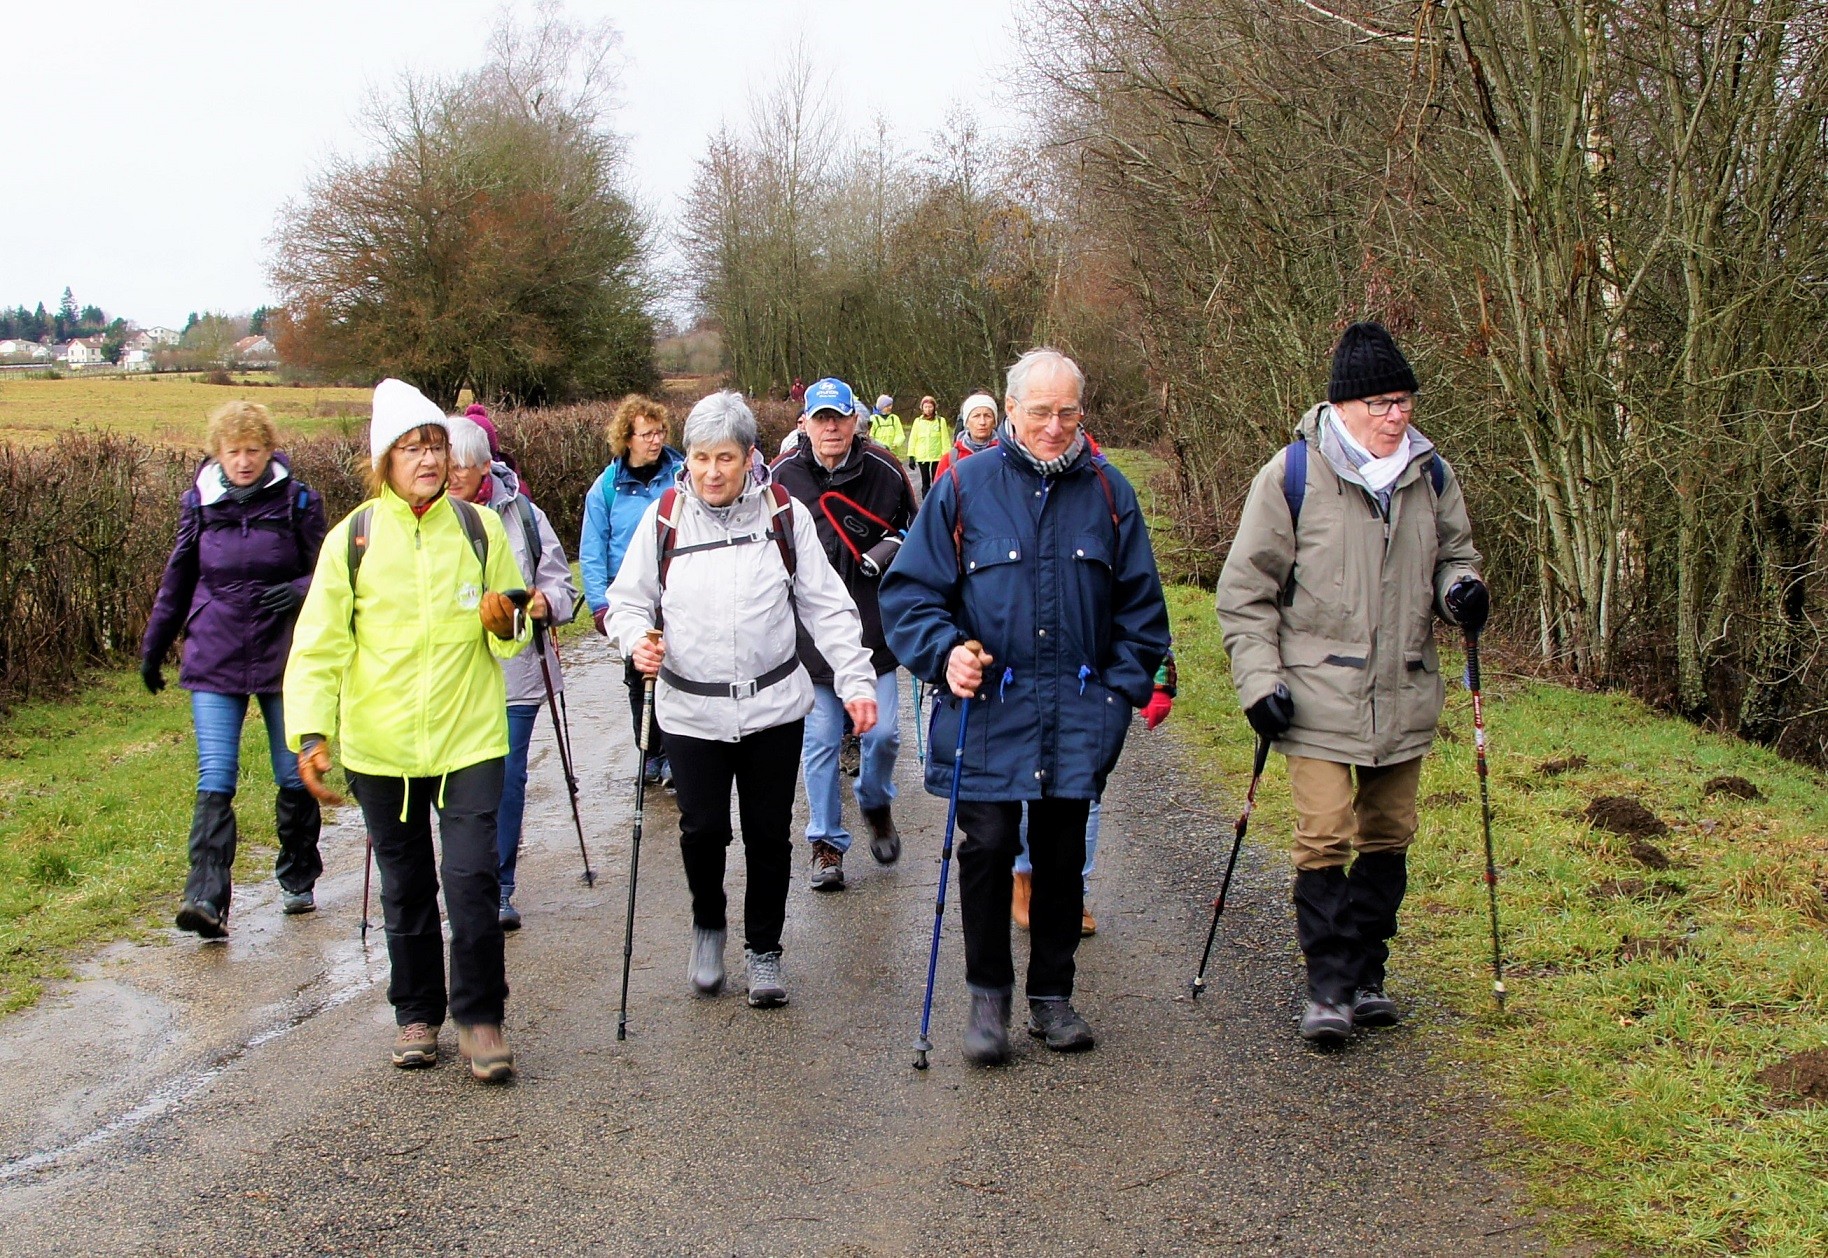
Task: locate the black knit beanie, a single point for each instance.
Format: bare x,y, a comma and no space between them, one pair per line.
1367,362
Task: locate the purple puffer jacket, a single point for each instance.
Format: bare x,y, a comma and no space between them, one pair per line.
228,553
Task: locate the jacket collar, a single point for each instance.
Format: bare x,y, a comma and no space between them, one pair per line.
671,461
1320,436
211,488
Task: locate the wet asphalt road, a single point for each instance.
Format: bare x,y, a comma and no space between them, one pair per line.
218,1099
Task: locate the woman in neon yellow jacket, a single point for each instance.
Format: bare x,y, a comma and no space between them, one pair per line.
928,440
388,654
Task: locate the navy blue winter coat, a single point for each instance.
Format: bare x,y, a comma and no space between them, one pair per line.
1064,596
227,554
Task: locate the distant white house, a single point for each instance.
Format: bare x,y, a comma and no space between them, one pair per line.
135,358
83,351
164,336
255,349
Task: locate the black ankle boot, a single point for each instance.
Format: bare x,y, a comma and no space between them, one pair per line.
298,821
1375,888
212,856
1323,924
987,1032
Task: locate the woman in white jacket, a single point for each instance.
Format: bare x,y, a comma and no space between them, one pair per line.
541,559
739,560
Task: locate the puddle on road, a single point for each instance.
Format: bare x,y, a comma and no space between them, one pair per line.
349,978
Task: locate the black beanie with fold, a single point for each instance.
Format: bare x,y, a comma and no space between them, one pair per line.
1367,362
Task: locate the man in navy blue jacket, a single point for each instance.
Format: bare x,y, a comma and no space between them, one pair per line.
1038,551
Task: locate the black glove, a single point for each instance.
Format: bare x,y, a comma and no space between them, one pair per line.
1469,603
1271,715
282,599
152,675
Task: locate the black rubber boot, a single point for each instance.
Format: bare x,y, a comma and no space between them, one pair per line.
1323,924
212,856
987,1032
298,821
1375,890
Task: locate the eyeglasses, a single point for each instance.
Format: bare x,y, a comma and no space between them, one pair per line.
1066,414
659,434
1380,407
415,452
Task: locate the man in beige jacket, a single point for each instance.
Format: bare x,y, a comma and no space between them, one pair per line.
1352,539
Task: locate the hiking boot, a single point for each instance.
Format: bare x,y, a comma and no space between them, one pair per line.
885,839
850,755
765,989
1324,1022
491,1060
651,770
1019,898
416,1045
1088,925
987,1032
1056,1024
201,917
706,968
292,903
508,916
827,868
1370,1007
298,822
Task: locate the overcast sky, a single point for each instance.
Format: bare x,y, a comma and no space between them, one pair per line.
163,138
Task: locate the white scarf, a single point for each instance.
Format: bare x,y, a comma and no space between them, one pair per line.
1377,473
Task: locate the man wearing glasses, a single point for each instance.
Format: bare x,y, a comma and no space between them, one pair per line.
1351,540
860,498
1027,588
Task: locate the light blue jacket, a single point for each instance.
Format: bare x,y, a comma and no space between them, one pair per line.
612,511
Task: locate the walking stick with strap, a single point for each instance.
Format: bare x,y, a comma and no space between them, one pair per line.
1485,813
634,854
923,1045
561,733
1237,841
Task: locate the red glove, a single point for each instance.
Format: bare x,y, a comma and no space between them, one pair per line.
1156,710
600,615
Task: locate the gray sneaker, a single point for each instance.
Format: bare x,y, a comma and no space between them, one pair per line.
827,868
1371,1007
765,990
1056,1024
1323,1022
292,903
706,969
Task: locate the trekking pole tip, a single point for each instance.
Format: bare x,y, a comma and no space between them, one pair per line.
921,1048
1198,985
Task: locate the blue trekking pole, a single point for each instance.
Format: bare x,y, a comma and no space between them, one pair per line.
923,1045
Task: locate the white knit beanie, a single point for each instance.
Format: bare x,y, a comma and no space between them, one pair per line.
398,409
973,402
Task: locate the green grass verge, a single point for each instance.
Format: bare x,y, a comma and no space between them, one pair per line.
1636,1023
95,802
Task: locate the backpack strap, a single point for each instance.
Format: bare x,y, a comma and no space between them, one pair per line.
666,528
958,520
1437,472
609,489
780,526
523,507
1110,499
471,520
1295,477
358,539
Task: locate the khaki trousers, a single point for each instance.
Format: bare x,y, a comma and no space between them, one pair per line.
1332,820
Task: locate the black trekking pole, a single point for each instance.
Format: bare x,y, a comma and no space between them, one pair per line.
1485,812
1237,842
561,734
923,1045
634,854
367,869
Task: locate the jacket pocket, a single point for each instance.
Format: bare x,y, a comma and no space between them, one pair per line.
991,552
1423,692
1330,683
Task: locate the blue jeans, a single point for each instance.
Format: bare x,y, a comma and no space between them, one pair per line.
513,804
1025,866
218,719
819,760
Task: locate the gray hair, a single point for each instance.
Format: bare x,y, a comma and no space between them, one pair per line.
719,418
1045,356
469,443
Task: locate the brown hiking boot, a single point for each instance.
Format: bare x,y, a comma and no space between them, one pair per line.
1018,902
885,839
490,1058
416,1045
1087,924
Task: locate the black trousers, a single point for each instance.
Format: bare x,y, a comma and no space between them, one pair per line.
1056,845
636,681
766,768
926,472
465,802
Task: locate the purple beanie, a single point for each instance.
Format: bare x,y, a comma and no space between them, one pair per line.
480,414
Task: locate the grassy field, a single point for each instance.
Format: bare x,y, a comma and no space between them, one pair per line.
95,802
168,408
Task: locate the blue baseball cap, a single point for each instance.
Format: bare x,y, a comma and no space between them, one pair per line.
829,394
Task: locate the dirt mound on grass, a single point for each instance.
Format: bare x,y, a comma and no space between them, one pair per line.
1728,784
1800,1080
1624,815
1446,799
1656,948
1561,764
1649,855
1633,889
